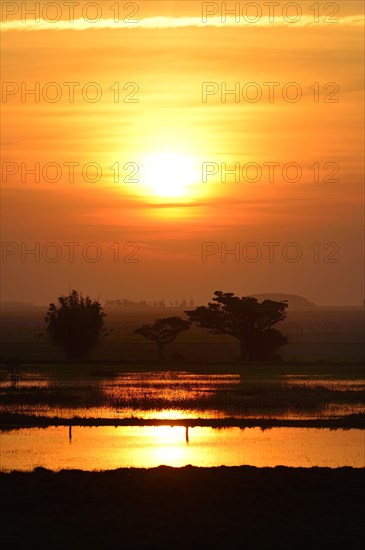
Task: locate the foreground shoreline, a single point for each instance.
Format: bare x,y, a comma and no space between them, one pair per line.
184,508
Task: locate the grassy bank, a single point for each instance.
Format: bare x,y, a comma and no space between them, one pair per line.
102,369
187,508
13,421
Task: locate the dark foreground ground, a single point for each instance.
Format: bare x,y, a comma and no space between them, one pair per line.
186,508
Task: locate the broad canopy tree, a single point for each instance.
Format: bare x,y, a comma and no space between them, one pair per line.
76,324
163,332
247,320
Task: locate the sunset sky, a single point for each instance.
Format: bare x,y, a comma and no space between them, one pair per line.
161,119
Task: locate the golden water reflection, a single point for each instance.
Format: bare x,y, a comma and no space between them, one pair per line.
179,394
102,448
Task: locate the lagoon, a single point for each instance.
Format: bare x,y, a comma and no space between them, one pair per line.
107,447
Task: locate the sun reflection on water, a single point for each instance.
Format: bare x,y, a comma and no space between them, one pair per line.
103,448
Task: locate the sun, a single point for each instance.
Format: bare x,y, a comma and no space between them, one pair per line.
168,174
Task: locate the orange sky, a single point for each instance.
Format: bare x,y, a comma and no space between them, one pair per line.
173,126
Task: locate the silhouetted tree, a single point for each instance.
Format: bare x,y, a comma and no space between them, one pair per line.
163,331
76,324
247,320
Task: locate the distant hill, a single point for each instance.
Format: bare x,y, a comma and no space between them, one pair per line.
295,302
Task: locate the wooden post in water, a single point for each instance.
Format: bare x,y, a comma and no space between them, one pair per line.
187,434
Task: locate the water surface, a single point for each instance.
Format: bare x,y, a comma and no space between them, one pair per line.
182,395
102,448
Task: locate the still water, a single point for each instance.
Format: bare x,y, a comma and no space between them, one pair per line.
103,448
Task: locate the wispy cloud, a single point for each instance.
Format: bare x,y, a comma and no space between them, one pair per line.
172,23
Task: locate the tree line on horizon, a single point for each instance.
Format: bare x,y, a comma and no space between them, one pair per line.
76,324
124,303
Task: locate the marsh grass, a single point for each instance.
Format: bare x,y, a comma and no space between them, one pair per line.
253,397
105,389
235,398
